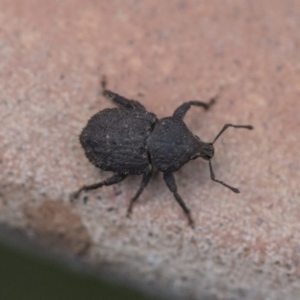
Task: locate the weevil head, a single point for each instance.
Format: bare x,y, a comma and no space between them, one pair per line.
207,151
204,150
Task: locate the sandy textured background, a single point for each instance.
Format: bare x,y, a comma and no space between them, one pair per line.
52,54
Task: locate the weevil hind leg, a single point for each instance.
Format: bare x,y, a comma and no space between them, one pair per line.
171,184
116,178
144,183
184,107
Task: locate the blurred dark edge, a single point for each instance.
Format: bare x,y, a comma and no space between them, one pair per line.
29,270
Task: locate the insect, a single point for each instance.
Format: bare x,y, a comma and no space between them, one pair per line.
129,140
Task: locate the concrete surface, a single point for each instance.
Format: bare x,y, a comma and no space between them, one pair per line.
162,53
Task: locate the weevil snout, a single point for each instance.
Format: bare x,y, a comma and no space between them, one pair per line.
204,150
207,151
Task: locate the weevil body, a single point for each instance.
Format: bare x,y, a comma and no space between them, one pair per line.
128,140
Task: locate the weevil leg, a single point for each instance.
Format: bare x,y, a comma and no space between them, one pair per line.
171,183
119,99
183,108
250,127
145,181
116,178
212,176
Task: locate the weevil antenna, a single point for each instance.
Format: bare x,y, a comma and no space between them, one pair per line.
212,176
250,127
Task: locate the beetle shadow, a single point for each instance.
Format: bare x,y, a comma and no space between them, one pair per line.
193,171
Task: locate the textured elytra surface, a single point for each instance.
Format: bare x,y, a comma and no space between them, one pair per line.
52,55
115,140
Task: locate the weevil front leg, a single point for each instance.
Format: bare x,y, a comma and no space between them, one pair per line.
183,108
171,183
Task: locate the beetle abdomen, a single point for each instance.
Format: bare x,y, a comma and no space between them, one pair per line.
114,140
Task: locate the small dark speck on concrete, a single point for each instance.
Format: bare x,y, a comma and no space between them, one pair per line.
237,62
259,221
85,199
117,191
110,208
184,278
98,197
182,5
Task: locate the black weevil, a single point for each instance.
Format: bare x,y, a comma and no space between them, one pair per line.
128,140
